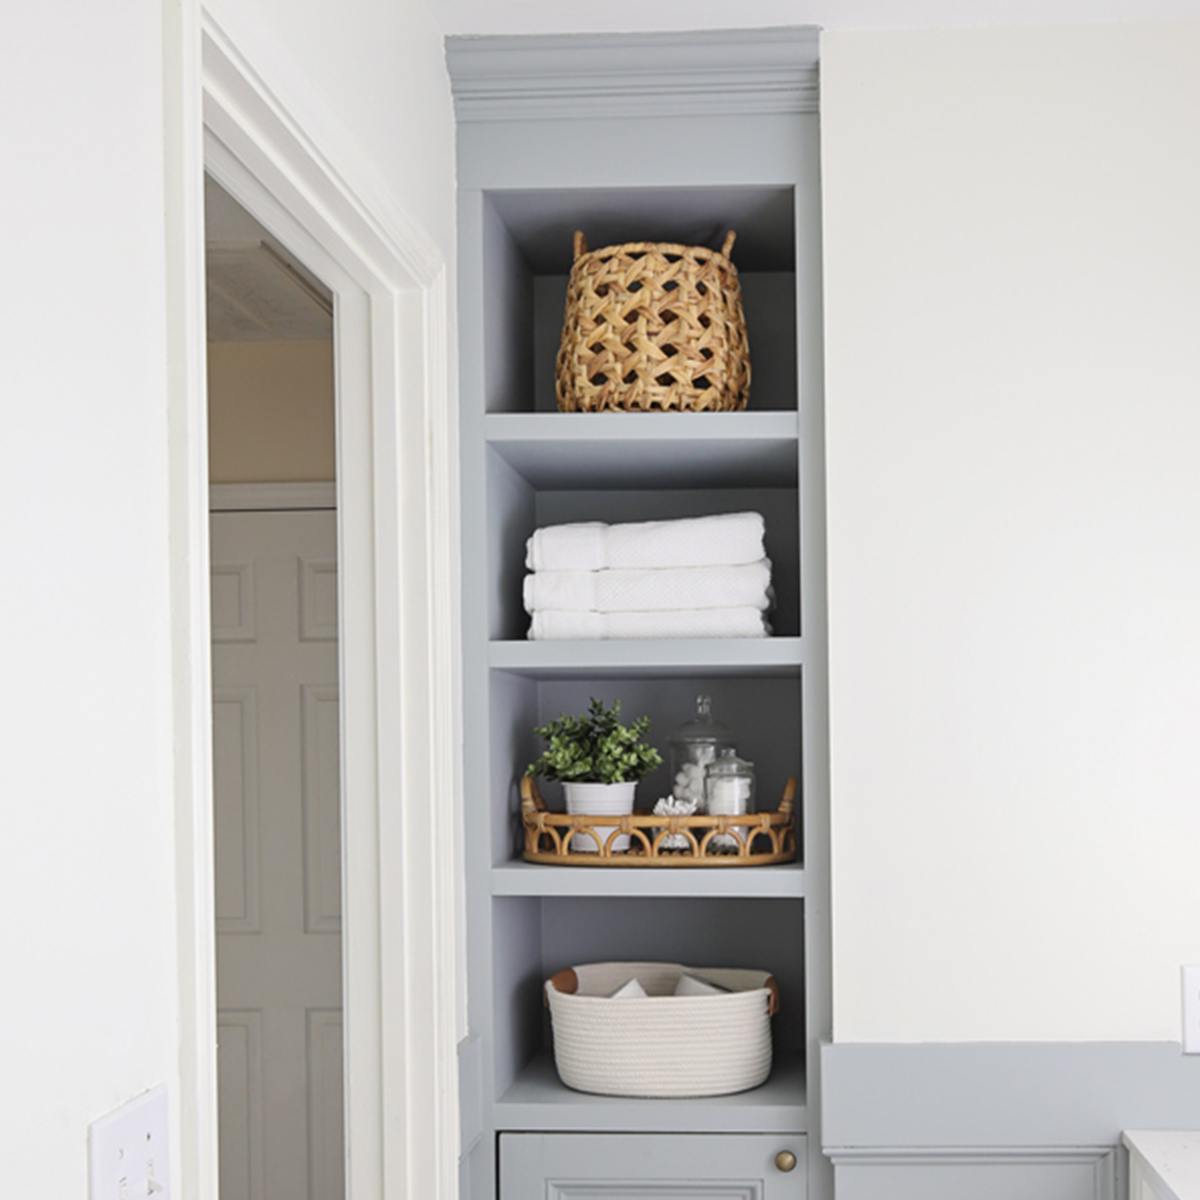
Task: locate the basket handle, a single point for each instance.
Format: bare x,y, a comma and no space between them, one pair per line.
565,981
772,986
581,246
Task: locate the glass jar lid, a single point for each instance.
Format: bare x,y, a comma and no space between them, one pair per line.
727,765
703,728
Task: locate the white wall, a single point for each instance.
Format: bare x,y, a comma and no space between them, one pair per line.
372,75
1012,269
89,1010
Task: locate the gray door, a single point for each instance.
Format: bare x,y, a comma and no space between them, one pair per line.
636,1166
278,855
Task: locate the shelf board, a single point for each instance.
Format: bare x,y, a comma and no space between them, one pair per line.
652,658
648,451
538,1100
533,879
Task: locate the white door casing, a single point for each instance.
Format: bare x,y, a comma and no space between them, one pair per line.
278,854
272,150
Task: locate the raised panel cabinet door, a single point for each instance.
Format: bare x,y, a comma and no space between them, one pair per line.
278,855
644,1166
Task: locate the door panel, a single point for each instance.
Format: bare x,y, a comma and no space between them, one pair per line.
276,778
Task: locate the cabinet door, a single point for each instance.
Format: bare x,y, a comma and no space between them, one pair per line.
636,1166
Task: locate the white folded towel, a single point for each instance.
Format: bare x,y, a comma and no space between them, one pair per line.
690,985
632,990
632,590
688,542
557,625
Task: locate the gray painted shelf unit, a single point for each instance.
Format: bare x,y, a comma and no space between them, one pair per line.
677,138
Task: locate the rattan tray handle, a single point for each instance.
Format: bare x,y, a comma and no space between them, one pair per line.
581,246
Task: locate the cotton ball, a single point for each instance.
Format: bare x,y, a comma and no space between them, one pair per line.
682,806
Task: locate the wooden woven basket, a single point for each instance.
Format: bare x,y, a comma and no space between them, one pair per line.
653,327
751,840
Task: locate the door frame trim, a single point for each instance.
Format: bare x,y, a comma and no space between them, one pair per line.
297,173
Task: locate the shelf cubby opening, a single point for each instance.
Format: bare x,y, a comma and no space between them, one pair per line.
516,508
536,938
763,710
527,237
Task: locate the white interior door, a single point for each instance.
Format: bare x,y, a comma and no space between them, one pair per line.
278,855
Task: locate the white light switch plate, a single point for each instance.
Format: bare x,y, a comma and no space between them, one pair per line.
127,1151
1191,1009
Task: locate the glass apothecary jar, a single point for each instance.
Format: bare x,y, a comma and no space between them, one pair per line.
694,745
728,792
729,785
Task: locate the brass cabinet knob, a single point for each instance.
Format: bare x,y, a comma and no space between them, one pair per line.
785,1160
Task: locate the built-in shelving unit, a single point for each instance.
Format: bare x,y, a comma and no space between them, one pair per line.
540,156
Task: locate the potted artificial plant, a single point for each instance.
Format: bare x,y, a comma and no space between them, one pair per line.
599,762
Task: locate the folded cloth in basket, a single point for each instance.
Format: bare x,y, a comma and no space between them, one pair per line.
641,590
687,542
554,624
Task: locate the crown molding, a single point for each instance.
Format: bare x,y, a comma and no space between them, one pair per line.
535,77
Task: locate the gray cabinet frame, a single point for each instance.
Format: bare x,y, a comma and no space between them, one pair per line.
672,136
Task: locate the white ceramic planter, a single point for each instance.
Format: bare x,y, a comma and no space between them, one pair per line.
599,799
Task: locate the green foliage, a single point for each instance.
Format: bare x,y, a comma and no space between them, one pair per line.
595,748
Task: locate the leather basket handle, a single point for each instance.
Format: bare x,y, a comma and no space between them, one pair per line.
565,981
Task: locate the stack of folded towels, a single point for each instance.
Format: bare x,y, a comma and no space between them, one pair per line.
695,577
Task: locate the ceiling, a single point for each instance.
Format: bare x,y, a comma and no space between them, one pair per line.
628,16
257,290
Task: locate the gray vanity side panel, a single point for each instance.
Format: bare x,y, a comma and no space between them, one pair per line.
1069,1175
1023,1094
1039,1121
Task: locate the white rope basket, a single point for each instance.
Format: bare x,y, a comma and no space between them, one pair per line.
661,1045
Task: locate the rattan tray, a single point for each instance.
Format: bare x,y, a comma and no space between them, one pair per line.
761,839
